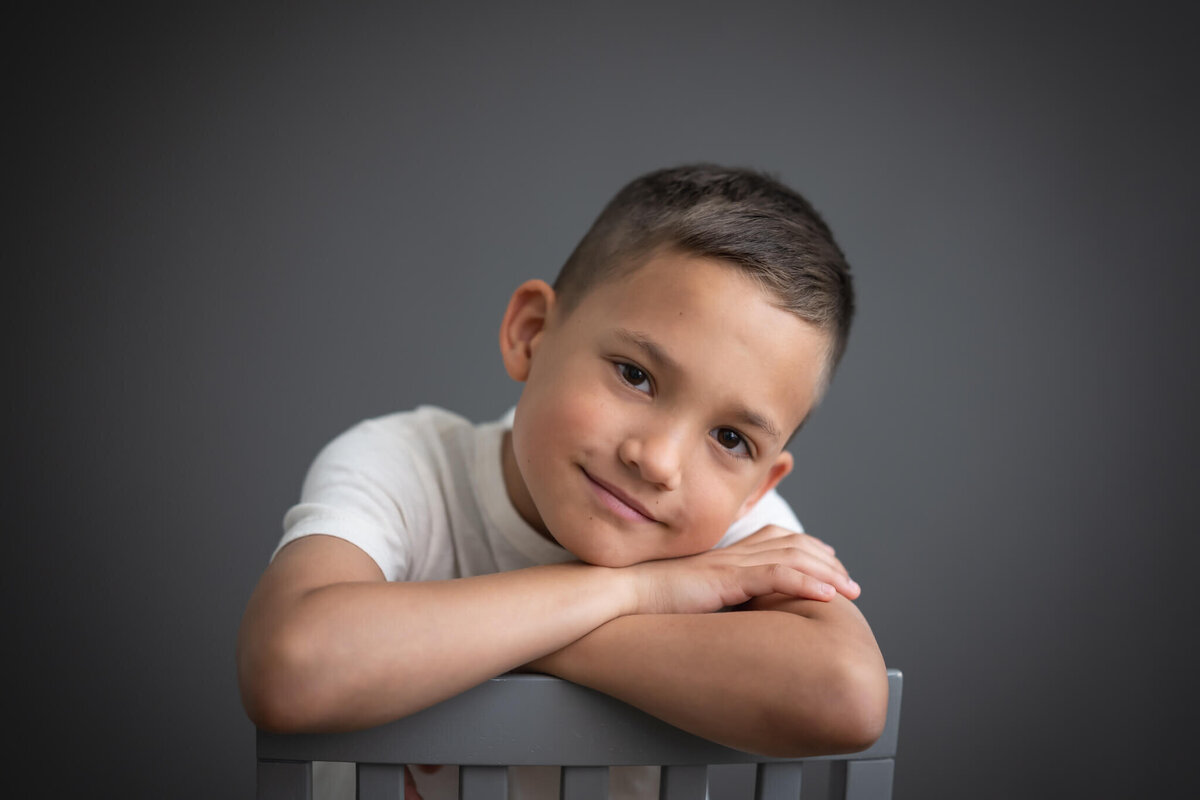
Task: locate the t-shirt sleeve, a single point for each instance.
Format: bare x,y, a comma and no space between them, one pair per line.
364,487
771,509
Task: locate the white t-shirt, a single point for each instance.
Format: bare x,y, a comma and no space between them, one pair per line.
422,493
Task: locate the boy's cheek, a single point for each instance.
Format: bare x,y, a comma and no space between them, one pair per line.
580,423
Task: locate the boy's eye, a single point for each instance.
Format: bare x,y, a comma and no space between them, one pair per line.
634,376
731,440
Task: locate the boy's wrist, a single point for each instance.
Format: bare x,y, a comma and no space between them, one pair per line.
608,592
621,584
637,589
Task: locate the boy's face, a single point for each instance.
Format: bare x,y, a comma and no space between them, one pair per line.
655,413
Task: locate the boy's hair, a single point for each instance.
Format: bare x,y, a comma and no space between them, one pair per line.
741,216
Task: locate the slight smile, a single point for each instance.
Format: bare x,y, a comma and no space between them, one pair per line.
618,502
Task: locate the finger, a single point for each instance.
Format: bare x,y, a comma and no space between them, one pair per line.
803,546
814,545
767,579
410,786
826,545
763,534
814,565
771,537
775,531
833,561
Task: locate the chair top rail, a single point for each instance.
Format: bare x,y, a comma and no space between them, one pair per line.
536,720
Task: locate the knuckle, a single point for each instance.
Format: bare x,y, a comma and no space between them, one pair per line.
774,570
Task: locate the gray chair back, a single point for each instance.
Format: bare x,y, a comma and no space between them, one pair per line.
517,720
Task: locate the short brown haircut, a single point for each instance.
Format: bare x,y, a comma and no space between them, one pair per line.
742,216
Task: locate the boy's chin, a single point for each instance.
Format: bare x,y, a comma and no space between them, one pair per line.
610,561
617,559
606,558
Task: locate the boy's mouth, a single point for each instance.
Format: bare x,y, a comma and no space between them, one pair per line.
617,501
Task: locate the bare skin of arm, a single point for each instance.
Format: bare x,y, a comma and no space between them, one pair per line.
783,677
327,644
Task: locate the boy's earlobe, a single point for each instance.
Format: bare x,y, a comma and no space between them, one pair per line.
778,471
524,322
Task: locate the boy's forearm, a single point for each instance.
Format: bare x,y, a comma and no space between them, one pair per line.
789,678
327,644
355,654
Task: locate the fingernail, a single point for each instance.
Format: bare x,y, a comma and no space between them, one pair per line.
826,589
854,586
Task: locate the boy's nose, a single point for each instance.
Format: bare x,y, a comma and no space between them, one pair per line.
656,459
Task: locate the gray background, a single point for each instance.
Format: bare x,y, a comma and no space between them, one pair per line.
236,232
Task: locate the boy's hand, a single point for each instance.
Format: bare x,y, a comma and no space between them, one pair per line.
771,561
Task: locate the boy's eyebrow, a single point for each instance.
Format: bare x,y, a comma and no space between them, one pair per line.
656,354
756,420
649,347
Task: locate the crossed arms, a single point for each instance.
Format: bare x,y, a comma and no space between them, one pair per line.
327,644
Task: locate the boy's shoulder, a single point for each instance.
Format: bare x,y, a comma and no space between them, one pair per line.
407,456
422,420
402,434
400,486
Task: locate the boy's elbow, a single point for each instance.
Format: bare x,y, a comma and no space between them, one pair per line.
847,717
272,684
269,710
861,694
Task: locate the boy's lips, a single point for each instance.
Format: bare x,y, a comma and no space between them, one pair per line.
617,501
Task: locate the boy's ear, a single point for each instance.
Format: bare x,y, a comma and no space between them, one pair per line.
523,325
778,471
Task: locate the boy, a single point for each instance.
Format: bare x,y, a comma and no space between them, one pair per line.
685,341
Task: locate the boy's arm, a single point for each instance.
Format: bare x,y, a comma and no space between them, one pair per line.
327,644
783,677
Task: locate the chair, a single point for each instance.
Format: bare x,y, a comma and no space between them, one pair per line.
540,720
